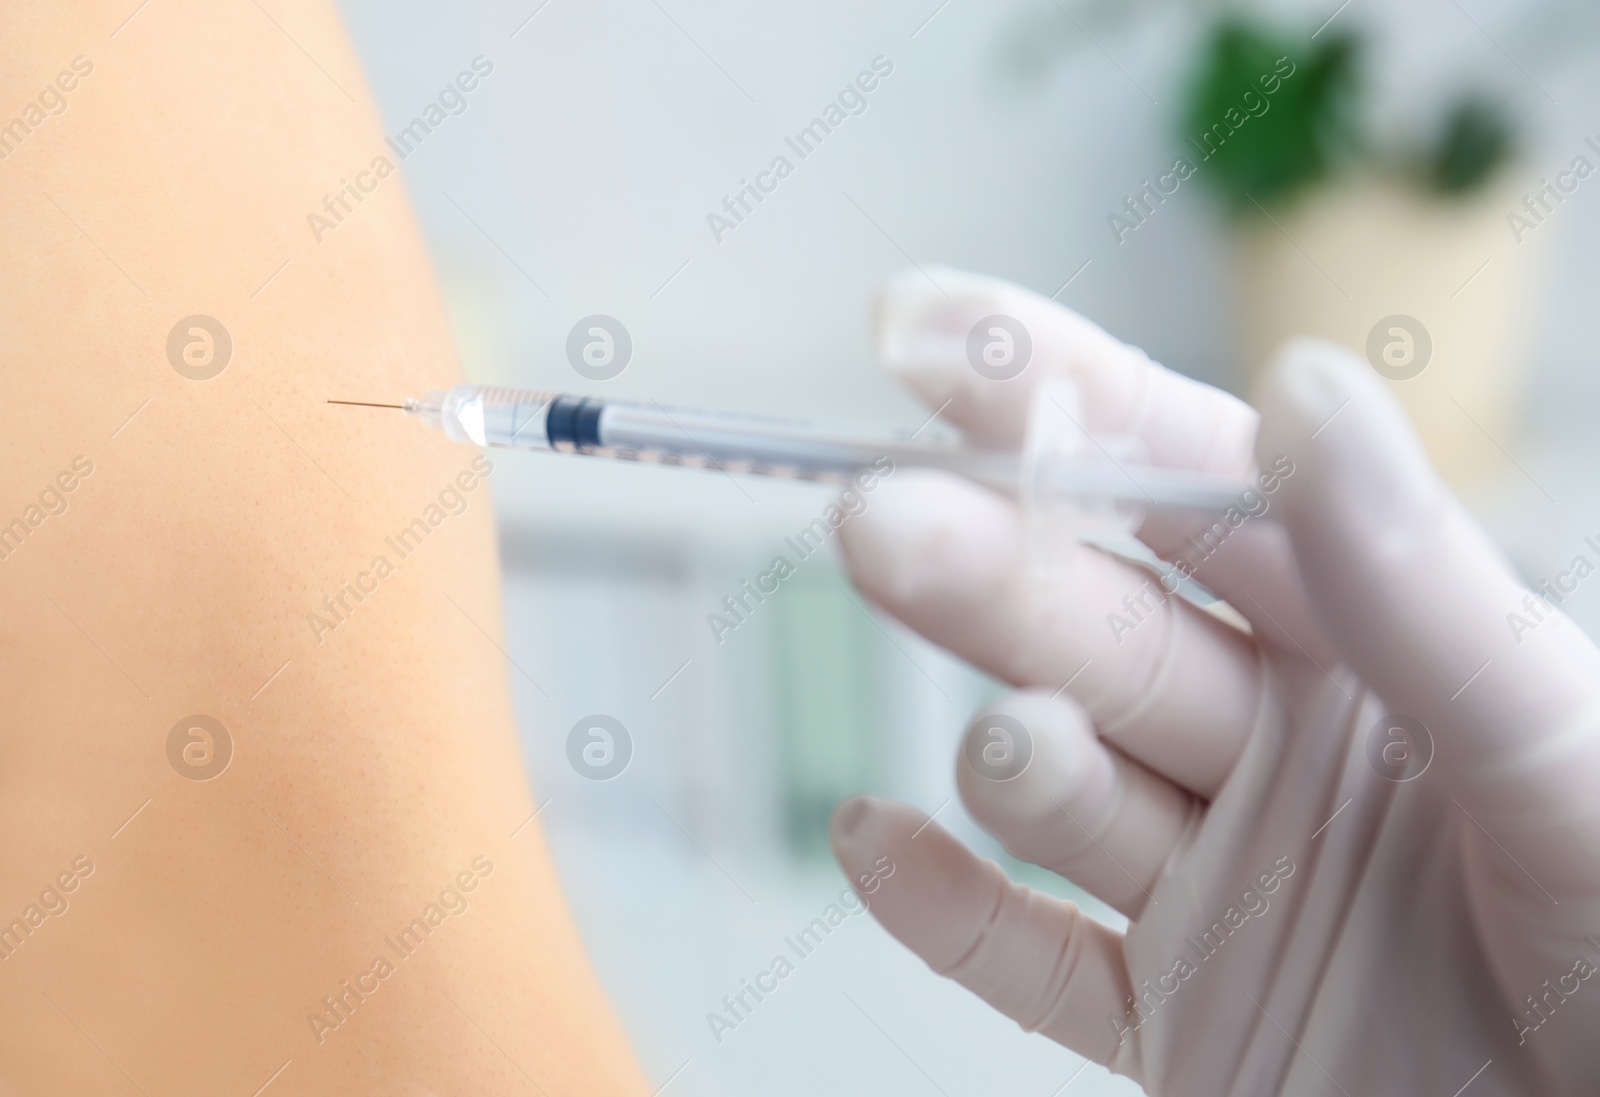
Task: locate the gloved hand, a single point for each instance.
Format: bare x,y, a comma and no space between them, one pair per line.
1312,911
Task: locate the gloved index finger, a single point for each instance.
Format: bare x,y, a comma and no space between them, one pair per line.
933,330
977,348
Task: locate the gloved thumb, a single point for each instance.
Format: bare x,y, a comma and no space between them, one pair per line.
1425,610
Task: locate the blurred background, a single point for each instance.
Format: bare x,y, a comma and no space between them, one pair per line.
1413,189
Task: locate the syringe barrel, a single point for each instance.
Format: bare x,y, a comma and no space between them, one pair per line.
489,416
528,420
1061,471
736,442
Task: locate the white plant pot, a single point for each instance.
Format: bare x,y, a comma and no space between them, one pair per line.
1341,262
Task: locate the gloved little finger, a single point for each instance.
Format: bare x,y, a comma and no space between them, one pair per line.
1035,775
1038,960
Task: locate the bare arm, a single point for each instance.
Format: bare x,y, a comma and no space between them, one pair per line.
346,895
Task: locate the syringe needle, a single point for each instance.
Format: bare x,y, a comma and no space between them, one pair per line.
364,404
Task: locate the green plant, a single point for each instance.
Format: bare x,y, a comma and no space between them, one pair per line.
1310,123
1295,132
1310,127
1475,141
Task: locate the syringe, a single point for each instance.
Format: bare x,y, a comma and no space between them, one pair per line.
1084,469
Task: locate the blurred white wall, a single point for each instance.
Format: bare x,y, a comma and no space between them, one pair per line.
578,181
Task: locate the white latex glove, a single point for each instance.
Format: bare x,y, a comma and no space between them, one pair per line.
1367,935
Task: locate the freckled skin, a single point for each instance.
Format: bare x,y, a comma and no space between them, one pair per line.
378,764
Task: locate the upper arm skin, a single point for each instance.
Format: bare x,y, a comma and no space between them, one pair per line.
378,764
